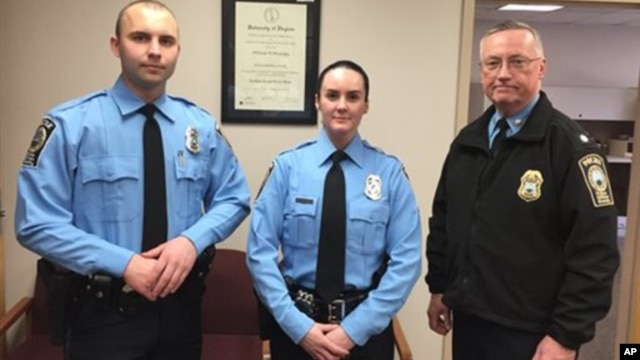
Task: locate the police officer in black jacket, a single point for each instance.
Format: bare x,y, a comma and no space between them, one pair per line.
522,239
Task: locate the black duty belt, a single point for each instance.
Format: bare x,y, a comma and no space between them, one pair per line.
333,312
107,291
113,291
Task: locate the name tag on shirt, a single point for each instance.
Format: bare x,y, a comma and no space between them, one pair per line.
304,201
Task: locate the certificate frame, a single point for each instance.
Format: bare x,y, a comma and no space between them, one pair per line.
273,100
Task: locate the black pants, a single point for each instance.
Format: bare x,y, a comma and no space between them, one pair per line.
379,347
168,329
478,339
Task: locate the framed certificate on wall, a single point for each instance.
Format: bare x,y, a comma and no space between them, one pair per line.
270,61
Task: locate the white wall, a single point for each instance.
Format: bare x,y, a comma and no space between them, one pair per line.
51,51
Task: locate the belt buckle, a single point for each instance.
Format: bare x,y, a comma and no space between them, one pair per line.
336,311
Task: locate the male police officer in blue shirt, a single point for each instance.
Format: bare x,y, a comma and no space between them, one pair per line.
81,201
382,228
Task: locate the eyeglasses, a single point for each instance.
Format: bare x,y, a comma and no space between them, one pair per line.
517,63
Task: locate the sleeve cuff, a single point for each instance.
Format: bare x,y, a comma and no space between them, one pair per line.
435,286
295,324
564,338
116,265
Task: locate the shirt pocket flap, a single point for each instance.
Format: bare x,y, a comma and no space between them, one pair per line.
369,212
190,168
109,169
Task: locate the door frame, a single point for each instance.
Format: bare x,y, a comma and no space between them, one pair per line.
628,321
3,343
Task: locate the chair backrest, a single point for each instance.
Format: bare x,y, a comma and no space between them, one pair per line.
230,305
38,342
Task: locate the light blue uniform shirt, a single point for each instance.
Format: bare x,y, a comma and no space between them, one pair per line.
80,189
287,216
515,122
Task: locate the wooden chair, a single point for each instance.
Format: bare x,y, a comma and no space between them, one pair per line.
230,322
230,325
37,344
230,314
400,341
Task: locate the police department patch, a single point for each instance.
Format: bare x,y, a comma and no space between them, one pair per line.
531,185
596,178
38,143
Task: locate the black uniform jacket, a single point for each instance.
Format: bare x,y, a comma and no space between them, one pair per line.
526,239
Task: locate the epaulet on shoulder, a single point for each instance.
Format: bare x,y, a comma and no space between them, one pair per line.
77,101
188,103
578,136
296,147
380,151
369,146
181,99
303,144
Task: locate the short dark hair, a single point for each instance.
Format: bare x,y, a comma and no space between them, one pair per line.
347,64
152,3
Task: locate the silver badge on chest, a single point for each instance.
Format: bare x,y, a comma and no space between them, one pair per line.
373,187
192,141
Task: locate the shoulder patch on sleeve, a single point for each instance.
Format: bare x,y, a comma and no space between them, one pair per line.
266,177
594,172
39,142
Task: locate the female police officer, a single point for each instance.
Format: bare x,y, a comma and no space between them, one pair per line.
350,244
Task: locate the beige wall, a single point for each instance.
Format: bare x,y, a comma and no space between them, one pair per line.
51,51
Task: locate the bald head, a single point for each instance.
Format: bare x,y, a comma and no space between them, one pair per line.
153,4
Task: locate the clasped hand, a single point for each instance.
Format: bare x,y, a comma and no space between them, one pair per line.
327,342
162,270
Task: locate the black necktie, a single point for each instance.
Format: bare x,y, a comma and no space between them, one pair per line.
498,142
331,249
154,229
